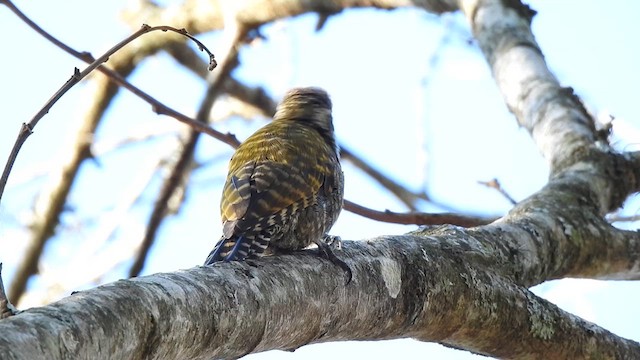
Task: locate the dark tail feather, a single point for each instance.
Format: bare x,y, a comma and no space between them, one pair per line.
237,248
232,249
225,250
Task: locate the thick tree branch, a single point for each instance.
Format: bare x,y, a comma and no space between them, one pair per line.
404,286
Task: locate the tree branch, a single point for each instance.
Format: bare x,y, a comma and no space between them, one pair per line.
416,218
27,129
403,286
177,173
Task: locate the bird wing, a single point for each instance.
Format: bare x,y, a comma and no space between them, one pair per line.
277,167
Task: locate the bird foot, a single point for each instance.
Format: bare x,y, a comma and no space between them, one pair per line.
326,245
334,241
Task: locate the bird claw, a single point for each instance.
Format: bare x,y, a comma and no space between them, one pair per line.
326,246
334,241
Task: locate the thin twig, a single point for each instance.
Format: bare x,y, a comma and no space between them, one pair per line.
416,218
24,133
495,184
177,173
407,197
27,129
158,107
85,56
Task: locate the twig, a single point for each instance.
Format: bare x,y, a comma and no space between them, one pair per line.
158,107
6,308
416,218
24,133
407,197
177,173
27,129
87,57
495,184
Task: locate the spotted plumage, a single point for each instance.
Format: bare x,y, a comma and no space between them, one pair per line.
284,189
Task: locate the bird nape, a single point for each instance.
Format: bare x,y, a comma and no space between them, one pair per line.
285,185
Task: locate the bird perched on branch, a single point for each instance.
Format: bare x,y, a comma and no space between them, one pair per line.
285,185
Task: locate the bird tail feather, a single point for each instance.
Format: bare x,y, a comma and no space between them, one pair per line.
227,250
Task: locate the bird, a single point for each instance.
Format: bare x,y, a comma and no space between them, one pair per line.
285,185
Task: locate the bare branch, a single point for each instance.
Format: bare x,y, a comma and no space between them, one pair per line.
27,129
495,184
419,285
50,206
416,218
407,197
158,107
51,200
55,199
178,173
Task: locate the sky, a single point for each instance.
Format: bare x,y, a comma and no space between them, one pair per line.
412,94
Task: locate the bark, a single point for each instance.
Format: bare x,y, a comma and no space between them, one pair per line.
430,286
465,288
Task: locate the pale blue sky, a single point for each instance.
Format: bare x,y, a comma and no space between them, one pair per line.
439,124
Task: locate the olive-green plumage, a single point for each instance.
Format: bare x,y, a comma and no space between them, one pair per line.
285,185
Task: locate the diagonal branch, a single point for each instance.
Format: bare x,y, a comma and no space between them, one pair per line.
51,201
27,128
146,50
50,204
178,172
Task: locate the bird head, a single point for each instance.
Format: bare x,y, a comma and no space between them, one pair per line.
310,105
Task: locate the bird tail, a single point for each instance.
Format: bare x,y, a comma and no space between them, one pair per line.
238,247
